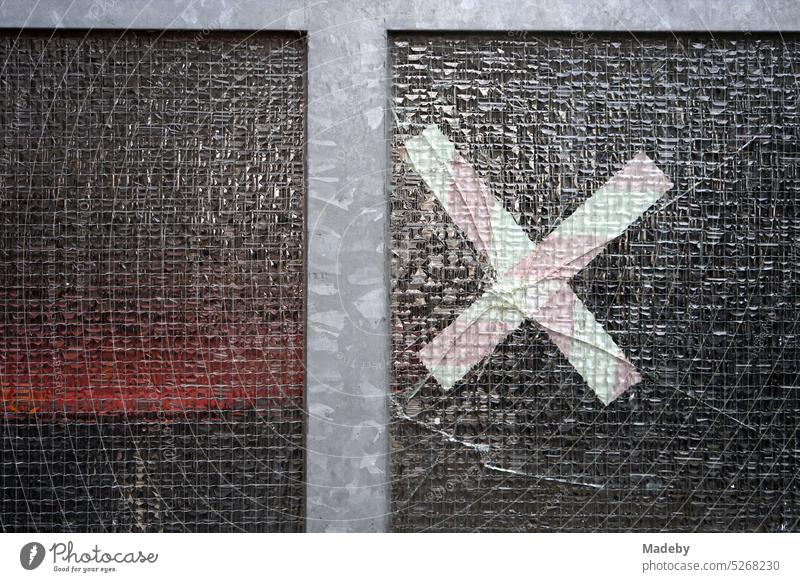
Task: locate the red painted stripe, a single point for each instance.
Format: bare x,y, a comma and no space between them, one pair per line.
137,375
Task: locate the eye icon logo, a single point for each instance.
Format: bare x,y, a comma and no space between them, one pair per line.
31,555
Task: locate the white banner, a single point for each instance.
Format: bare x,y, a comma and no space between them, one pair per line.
353,557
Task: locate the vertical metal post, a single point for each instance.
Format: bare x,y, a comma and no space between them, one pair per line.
348,346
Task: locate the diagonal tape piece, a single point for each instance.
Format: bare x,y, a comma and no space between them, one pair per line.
587,345
468,199
532,277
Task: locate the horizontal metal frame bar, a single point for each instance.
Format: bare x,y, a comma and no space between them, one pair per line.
464,15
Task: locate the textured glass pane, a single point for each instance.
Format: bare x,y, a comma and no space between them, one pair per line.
151,269
520,429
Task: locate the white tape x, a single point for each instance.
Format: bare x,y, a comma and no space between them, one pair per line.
532,278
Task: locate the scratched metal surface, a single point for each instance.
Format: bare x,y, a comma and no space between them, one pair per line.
702,293
151,281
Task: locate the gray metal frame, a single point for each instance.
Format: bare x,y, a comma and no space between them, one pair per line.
348,354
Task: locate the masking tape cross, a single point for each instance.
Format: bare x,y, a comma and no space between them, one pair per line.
532,278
